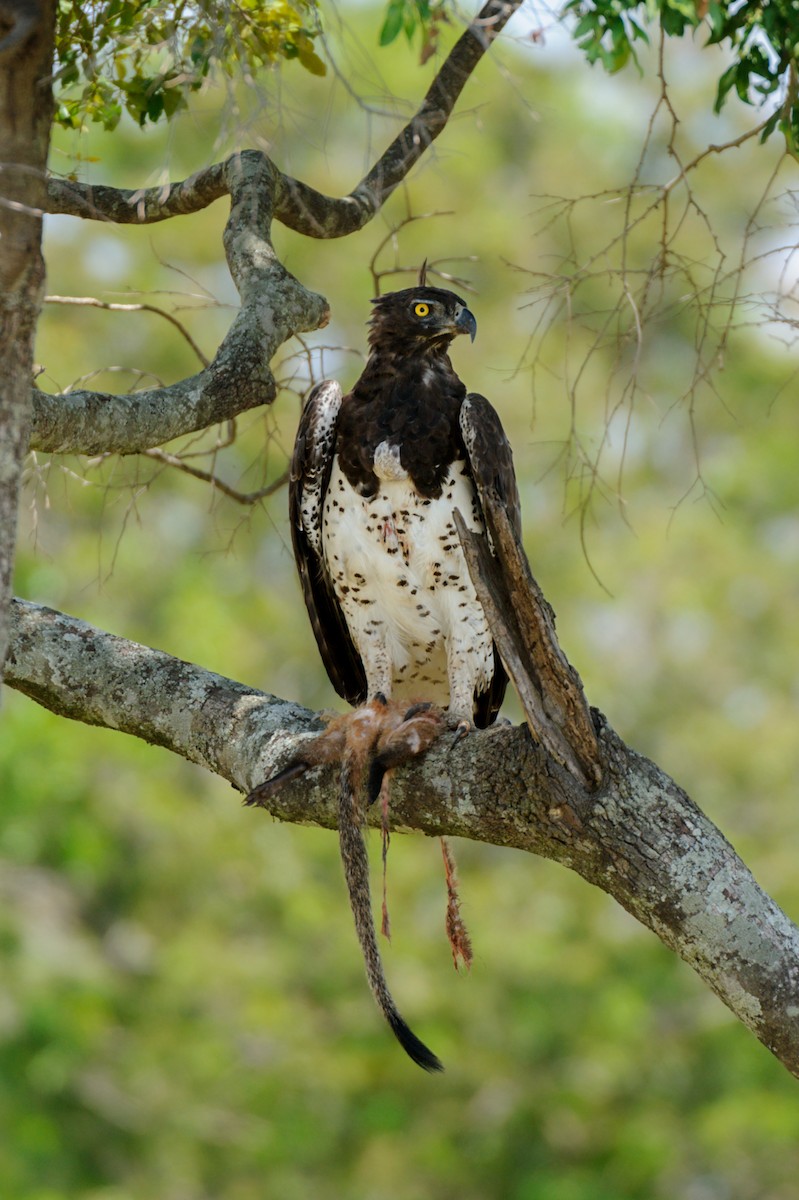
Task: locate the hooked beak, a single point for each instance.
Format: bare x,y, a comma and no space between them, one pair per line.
465,323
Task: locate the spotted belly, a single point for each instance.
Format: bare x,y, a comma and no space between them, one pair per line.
398,571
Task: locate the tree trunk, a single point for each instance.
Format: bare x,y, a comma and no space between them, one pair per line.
26,111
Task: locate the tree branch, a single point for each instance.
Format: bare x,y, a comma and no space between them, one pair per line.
111,306
219,485
309,212
638,836
274,304
297,205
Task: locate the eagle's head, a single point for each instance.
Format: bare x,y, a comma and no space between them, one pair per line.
418,320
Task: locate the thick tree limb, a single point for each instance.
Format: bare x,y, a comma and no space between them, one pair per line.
638,836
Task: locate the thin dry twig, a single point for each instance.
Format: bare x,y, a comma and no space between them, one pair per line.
111,306
244,498
653,275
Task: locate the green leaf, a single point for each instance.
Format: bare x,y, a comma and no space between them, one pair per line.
718,23
639,33
725,84
742,73
311,60
587,25
392,26
154,53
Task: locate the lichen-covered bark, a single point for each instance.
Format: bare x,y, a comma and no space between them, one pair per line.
638,836
25,115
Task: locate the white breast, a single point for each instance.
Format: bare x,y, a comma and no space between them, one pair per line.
398,571
387,463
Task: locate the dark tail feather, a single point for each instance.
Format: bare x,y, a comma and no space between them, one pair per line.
356,873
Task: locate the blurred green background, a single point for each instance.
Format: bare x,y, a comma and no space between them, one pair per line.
183,1012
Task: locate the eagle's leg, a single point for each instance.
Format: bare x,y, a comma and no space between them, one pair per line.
462,688
377,662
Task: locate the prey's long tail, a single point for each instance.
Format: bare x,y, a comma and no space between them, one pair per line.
356,873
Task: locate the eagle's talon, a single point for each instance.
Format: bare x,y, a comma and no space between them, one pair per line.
461,730
259,795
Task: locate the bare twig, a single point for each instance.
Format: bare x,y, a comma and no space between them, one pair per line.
245,498
109,306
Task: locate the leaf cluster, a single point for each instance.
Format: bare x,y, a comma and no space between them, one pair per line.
408,16
146,56
763,38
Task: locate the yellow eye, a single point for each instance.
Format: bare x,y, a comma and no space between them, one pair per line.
421,310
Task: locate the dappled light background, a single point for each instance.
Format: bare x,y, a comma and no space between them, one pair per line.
184,1013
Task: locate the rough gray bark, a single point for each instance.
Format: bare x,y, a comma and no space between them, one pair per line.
637,836
25,114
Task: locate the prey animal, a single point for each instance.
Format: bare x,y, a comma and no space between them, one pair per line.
376,477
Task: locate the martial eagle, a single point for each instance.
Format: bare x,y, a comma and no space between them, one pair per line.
375,479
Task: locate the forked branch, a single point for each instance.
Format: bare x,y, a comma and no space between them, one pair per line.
274,305
297,205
